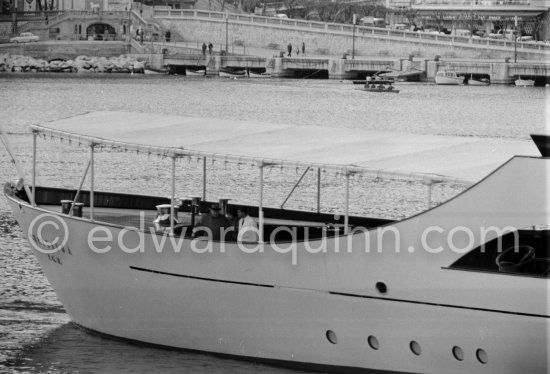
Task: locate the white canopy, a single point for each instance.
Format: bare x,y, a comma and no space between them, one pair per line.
429,157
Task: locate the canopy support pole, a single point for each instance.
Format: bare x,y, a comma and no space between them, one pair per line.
173,195
431,185
34,135
318,190
294,188
92,182
346,217
4,140
80,187
204,179
260,205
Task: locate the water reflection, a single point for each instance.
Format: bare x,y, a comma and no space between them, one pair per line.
70,349
34,330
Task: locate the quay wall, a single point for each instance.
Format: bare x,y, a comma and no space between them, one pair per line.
319,42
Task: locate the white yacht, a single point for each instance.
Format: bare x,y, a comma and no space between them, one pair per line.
461,287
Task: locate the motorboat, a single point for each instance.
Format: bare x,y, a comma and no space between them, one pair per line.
256,74
478,82
232,73
524,82
448,77
460,287
378,88
195,72
154,72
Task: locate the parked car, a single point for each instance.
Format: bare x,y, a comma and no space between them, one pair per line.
525,39
481,33
501,34
24,37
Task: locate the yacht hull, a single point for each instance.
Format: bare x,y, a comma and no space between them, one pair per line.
324,308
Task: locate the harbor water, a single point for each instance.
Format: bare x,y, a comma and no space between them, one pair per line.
36,334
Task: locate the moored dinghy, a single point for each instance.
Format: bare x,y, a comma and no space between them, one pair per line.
195,72
524,82
303,302
478,82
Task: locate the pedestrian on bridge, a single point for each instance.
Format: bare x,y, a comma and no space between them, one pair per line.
204,49
303,49
289,49
210,47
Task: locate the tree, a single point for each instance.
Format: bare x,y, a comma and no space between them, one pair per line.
538,25
290,6
327,9
250,5
439,17
411,15
472,20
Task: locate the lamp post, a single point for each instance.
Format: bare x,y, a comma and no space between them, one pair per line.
353,38
226,31
14,17
515,39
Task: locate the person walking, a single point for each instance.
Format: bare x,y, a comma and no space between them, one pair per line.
303,49
210,47
289,49
204,49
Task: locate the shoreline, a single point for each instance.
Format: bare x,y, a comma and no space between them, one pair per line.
81,64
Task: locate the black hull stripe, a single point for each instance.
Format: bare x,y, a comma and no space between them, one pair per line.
201,278
345,294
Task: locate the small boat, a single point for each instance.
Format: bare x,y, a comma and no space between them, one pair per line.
149,71
378,88
232,73
478,82
448,77
254,74
192,72
524,82
459,287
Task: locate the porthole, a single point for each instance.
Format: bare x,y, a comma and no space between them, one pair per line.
331,337
415,348
458,353
381,287
482,356
373,342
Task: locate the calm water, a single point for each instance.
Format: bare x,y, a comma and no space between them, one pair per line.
35,333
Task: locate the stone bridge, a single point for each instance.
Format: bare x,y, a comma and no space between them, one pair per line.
336,39
500,72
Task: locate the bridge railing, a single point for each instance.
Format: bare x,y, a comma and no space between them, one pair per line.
346,28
